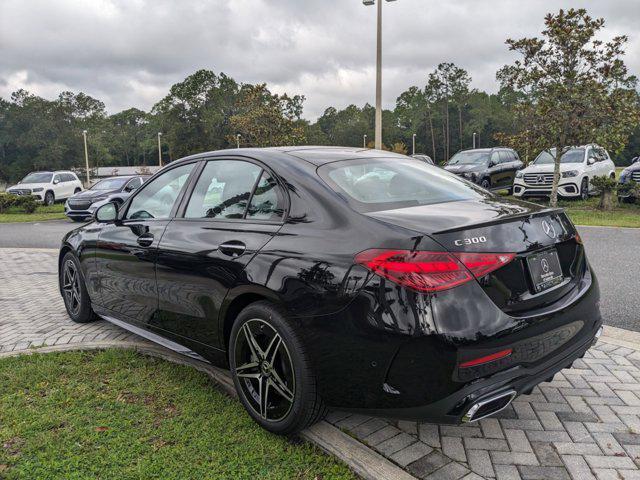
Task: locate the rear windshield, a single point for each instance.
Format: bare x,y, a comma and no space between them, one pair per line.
371,185
575,155
468,158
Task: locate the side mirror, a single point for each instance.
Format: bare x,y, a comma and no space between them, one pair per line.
635,160
56,181
591,161
107,213
492,163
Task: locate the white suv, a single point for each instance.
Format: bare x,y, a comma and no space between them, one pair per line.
48,187
578,166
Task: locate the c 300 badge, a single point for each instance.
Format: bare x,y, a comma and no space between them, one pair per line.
469,241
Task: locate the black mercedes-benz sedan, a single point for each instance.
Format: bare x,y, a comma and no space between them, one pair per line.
340,278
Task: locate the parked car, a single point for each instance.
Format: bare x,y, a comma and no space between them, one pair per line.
412,294
48,187
82,205
491,168
424,158
578,166
629,174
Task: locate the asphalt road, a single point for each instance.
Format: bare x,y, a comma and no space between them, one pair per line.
614,254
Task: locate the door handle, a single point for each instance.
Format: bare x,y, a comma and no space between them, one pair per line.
233,248
145,240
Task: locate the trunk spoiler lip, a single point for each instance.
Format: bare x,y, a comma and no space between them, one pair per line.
497,221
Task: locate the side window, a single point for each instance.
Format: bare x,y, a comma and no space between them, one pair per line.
593,154
57,178
495,158
132,185
157,198
267,202
505,157
223,189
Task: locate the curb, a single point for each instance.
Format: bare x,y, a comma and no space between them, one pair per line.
360,459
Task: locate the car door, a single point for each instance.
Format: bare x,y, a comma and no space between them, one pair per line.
58,187
234,209
495,169
592,168
126,250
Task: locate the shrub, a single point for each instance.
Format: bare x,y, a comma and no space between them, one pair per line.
607,187
25,203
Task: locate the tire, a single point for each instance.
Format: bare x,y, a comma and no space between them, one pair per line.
280,365
49,198
584,189
74,291
485,183
510,191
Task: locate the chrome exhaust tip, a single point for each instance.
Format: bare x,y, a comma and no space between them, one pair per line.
489,406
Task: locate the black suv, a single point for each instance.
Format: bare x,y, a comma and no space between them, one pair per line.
491,168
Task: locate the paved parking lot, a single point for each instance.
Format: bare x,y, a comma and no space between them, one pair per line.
583,425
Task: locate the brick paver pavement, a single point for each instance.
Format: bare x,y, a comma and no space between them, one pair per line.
583,425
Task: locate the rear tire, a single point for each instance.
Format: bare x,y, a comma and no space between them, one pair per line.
584,189
74,291
272,371
49,198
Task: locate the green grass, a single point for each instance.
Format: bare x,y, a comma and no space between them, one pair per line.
118,414
54,212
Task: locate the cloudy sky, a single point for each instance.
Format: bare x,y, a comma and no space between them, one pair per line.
129,52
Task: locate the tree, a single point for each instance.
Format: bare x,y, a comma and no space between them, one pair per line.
575,88
264,119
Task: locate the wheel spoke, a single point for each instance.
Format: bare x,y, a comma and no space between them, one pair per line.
263,385
256,351
281,387
272,349
247,366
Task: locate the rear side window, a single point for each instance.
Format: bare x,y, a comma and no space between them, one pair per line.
505,157
267,202
223,190
381,184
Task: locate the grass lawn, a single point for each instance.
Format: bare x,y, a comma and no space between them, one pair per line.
118,414
54,212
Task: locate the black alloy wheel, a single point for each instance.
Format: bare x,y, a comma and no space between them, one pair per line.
486,184
74,291
271,371
584,189
49,198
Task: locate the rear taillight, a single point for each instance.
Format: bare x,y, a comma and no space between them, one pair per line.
431,271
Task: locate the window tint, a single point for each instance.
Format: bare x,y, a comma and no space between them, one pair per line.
267,202
223,190
157,198
379,184
505,157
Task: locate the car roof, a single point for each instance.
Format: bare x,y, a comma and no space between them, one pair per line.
315,155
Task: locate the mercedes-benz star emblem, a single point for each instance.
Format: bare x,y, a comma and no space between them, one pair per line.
540,179
548,229
545,265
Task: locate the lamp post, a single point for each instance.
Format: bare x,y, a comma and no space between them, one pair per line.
474,139
414,143
159,149
378,72
238,140
86,157
364,141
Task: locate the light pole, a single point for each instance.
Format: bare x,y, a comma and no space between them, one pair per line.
364,141
238,140
159,149
474,139
378,72
414,144
86,157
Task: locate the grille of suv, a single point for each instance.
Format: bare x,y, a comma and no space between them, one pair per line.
635,176
20,191
79,204
539,178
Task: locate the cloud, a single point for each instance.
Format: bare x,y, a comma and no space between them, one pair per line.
129,52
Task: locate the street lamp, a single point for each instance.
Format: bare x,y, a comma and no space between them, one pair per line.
378,72
86,157
364,141
159,149
414,144
238,140
474,139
